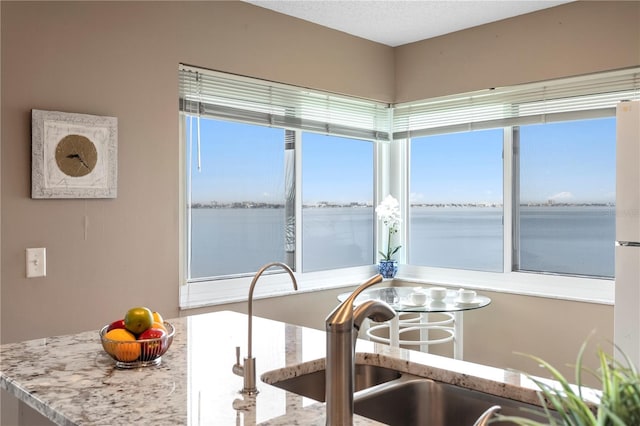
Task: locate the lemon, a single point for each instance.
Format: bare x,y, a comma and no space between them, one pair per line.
157,317
159,325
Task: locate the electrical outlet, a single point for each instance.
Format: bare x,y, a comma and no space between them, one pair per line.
36,262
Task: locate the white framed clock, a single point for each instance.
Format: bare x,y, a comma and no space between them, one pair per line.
73,155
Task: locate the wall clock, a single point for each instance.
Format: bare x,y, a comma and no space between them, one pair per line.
73,155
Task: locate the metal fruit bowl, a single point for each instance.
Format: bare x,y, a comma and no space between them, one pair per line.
138,353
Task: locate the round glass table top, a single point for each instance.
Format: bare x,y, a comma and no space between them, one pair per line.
399,298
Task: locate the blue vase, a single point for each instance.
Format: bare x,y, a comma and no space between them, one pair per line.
388,268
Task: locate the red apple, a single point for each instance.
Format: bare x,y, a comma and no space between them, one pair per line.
116,324
151,350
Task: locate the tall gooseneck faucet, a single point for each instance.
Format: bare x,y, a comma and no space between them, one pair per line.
342,327
248,369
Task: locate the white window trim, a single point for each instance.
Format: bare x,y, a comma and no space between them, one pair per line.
555,286
391,159
274,283
587,290
392,178
215,292
580,289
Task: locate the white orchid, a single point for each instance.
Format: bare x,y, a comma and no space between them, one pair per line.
388,212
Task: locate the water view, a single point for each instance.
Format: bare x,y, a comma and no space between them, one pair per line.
560,239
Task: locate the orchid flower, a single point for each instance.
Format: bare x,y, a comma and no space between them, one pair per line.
388,212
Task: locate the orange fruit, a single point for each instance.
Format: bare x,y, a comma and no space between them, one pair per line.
122,345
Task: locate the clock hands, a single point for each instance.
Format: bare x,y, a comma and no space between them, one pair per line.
76,156
71,156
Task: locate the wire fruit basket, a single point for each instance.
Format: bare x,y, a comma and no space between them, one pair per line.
140,352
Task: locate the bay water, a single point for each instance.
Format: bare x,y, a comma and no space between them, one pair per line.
576,240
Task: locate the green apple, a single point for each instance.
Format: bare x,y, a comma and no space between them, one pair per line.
138,319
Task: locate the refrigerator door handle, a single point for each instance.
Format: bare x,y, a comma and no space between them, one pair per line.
627,244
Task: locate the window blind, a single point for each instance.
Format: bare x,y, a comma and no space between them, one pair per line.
220,95
558,100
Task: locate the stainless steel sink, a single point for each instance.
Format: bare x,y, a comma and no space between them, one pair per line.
402,399
419,401
312,385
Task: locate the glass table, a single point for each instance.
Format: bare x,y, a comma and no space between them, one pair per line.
406,320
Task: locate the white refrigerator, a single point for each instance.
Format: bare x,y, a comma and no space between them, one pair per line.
627,255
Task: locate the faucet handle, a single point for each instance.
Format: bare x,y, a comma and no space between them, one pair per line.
237,368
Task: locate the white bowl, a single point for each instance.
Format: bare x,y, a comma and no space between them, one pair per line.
466,296
418,298
437,293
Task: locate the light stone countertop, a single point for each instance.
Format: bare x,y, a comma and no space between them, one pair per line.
70,380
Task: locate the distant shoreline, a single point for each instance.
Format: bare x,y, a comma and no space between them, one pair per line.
255,205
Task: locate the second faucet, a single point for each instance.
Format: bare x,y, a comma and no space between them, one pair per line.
248,369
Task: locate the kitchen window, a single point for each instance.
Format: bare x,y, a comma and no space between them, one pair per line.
240,194
566,209
337,202
237,206
471,172
456,201
275,173
563,210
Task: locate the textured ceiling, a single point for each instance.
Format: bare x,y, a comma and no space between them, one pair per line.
398,22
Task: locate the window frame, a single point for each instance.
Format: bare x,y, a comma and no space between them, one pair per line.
506,261
202,292
299,185
391,176
538,284
516,147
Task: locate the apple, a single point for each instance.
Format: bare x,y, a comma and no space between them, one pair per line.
116,325
152,333
151,350
138,319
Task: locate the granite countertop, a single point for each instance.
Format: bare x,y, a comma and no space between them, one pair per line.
70,380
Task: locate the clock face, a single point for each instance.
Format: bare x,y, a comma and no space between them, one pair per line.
76,155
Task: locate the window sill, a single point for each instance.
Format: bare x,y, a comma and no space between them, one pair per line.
216,292
588,290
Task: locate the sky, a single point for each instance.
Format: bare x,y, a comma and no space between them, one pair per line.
336,169
237,162
564,162
246,163
570,162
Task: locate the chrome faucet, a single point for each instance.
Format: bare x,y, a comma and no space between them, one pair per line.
342,327
248,369
485,418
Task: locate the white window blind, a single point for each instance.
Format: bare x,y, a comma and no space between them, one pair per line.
223,96
558,100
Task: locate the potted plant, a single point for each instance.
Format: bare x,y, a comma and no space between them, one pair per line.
388,212
617,402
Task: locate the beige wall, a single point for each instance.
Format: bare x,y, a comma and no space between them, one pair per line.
572,39
120,59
